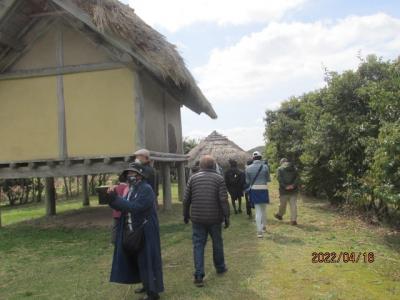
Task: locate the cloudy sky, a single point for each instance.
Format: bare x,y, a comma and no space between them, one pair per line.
248,56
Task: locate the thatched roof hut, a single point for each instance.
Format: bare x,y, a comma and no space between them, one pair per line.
221,148
88,82
117,24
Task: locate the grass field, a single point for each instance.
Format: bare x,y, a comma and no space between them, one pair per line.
43,259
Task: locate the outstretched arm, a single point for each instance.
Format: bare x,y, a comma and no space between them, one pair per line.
144,201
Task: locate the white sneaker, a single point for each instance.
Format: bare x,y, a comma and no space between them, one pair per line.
260,235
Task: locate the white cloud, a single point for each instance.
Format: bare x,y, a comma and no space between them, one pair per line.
176,14
288,58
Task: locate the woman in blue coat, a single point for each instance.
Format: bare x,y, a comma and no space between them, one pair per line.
144,266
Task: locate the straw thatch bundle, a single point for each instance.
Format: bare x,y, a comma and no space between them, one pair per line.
221,148
120,20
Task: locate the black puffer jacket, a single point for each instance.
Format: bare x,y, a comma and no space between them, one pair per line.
206,198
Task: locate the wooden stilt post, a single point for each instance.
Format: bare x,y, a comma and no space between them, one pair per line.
167,193
181,180
1,198
50,197
85,190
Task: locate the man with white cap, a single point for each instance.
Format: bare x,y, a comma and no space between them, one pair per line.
257,178
142,156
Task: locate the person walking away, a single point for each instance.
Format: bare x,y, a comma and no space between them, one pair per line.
142,157
138,214
257,178
206,205
235,182
288,190
249,206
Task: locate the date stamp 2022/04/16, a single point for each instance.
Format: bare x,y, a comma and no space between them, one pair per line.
342,257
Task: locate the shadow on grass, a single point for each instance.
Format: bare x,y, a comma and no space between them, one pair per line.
309,228
285,240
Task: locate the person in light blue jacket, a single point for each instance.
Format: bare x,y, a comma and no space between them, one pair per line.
257,178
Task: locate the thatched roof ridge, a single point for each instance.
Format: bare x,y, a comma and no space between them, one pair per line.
221,148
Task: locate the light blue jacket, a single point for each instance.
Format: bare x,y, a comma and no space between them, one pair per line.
251,171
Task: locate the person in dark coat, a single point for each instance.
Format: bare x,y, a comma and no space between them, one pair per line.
288,179
235,181
144,266
206,204
142,157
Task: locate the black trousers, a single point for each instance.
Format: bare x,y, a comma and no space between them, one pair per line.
248,204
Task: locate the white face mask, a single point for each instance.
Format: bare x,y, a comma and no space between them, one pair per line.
138,161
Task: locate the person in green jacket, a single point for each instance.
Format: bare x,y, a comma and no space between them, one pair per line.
288,189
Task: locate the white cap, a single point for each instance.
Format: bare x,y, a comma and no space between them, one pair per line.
256,154
143,152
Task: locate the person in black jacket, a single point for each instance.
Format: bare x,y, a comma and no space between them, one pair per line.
142,157
206,204
235,182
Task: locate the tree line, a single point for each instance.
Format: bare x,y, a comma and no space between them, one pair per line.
345,137
23,191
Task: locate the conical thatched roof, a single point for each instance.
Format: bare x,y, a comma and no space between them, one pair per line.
119,25
221,148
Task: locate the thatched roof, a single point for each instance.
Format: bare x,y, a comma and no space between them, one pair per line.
111,18
221,148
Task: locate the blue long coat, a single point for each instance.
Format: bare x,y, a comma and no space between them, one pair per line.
145,266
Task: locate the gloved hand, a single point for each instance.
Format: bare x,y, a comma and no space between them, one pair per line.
112,197
227,223
186,220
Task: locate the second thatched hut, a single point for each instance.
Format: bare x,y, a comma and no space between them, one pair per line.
221,148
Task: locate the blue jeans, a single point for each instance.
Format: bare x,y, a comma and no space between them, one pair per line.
200,235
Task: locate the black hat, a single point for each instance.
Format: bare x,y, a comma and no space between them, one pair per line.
136,167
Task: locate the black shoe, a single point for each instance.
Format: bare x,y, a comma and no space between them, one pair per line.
236,212
141,290
222,272
152,297
240,211
278,217
198,281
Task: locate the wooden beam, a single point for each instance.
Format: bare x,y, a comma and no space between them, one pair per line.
7,6
60,70
73,166
1,198
27,37
50,197
139,111
62,131
87,162
167,191
181,180
85,190
48,13
10,42
166,135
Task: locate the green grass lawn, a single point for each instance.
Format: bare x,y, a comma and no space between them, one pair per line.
41,262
